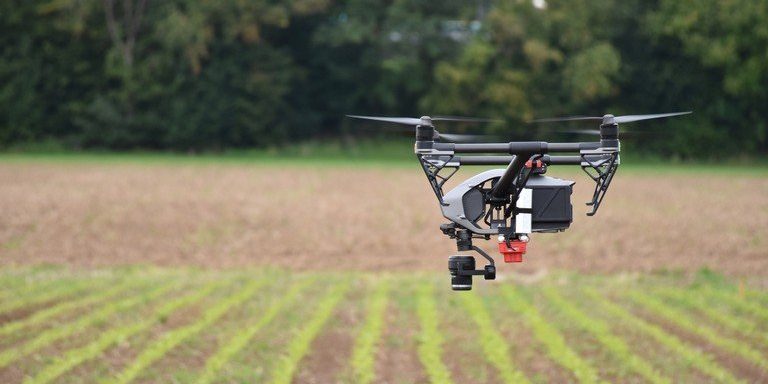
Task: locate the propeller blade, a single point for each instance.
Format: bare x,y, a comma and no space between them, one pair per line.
617,119
462,138
426,120
631,118
396,120
581,131
569,118
596,132
465,119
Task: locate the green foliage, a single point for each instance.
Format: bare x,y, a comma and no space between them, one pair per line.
209,75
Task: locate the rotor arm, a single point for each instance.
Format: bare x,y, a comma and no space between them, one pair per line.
505,160
515,147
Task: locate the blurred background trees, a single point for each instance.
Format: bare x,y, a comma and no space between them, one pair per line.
209,75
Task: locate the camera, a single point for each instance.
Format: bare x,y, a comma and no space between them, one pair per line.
462,268
460,280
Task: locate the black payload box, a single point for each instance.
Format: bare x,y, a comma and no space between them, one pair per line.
551,210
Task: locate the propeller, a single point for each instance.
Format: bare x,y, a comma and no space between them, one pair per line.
610,119
462,138
424,120
427,121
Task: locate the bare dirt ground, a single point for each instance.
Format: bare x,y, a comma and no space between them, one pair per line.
231,216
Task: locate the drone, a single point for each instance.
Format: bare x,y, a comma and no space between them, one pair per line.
510,203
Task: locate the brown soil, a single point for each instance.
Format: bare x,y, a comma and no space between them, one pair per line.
228,216
12,374
18,314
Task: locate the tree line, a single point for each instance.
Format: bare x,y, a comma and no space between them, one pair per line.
210,75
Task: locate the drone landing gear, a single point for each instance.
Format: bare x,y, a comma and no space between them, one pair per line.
462,267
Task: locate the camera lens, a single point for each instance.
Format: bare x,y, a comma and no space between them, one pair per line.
461,263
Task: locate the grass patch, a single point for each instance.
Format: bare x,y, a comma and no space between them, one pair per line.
353,153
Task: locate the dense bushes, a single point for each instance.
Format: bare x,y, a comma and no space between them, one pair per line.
205,75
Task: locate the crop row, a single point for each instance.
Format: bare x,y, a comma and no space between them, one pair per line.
300,344
495,348
688,323
714,312
77,356
364,352
44,315
243,336
89,309
601,331
430,348
82,323
168,341
550,337
690,354
46,292
750,305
